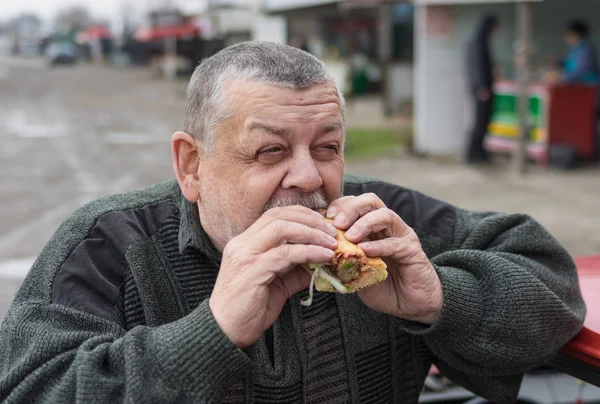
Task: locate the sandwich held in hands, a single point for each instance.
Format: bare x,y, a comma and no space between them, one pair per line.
348,271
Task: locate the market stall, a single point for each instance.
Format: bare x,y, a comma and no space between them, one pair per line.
444,109
559,116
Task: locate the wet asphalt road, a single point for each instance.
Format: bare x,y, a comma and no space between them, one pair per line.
72,134
68,136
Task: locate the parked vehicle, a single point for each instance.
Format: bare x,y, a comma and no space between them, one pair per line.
61,53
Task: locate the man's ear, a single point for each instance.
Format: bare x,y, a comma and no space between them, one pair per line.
185,151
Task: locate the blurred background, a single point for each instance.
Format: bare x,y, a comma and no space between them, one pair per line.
90,92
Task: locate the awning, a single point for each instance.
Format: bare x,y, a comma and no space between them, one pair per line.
274,6
459,2
93,32
170,31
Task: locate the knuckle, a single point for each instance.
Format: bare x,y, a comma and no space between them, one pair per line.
230,247
284,251
279,226
390,216
395,243
372,198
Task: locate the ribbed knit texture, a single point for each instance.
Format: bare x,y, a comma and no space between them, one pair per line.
326,373
132,303
374,374
195,274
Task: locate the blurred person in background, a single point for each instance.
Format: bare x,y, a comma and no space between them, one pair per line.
480,76
581,63
300,42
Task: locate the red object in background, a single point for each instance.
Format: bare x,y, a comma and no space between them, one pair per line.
93,32
354,24
585,347
572,117
169,31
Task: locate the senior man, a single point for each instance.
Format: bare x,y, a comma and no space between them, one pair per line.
187,291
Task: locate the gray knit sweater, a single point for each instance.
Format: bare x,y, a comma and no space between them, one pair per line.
115,310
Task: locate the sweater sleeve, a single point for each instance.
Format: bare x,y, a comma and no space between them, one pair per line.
511,301
52,353
64,339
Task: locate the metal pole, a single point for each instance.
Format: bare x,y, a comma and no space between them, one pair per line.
522,65
385,45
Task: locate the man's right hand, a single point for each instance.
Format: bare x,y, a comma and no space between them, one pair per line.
259,271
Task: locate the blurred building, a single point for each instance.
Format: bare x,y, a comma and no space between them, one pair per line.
243,20
26,35
173,42
368,44
5,39
443,110
233,21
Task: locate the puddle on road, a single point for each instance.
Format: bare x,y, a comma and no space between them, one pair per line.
18,122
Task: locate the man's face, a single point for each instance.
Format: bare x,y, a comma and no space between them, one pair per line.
280,147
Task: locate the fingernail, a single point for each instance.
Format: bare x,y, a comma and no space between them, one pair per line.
353,232
331,212
327,256
340,219
332,240
331,229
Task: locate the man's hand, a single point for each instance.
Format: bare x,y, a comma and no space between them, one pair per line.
259,271
412,290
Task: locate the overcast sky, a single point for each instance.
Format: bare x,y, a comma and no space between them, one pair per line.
101,9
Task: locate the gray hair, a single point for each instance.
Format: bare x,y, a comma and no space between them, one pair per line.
264,62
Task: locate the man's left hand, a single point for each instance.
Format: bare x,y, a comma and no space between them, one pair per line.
412,290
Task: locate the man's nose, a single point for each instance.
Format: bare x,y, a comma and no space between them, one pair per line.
303,173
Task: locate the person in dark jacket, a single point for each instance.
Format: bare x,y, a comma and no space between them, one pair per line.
481,83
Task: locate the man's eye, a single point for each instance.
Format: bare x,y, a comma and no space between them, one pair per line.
271,155
327,151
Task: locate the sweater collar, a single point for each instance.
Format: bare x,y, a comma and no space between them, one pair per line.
192,236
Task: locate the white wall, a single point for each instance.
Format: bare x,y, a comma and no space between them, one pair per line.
400,84
234,20
440,90
270,28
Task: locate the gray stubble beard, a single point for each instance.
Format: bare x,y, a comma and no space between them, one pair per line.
315,200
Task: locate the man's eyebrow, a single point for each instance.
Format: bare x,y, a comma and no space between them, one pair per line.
332,127
268,128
